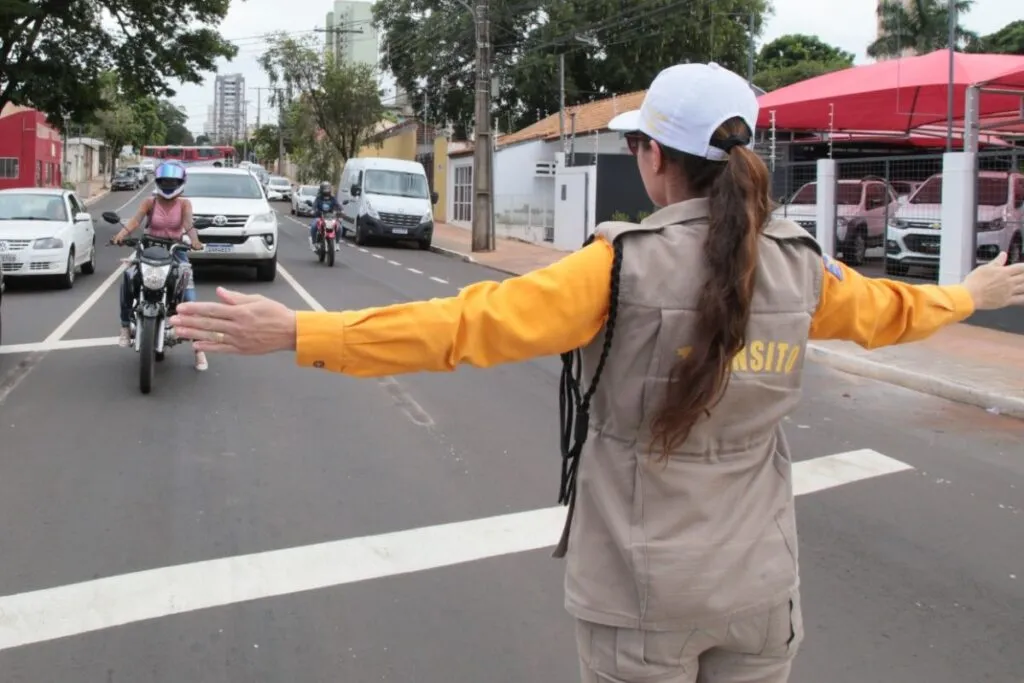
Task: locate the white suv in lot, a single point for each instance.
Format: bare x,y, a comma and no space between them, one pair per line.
244,225
915,231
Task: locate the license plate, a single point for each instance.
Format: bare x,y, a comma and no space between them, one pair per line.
399,231
219,248
8,258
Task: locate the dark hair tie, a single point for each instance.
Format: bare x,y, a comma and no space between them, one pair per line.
729,143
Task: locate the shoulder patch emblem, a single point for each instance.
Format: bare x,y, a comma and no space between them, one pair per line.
832,267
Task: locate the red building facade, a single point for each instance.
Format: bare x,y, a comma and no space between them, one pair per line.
30,149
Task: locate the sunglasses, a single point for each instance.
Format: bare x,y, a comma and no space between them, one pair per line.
633,141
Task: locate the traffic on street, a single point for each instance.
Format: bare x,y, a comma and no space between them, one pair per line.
260,522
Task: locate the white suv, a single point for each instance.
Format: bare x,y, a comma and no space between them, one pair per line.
915,232
244,226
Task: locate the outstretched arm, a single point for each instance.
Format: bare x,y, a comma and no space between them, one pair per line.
878,312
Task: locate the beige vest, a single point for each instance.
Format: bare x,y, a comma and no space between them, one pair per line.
711,533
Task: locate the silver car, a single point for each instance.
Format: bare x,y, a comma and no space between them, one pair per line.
302,200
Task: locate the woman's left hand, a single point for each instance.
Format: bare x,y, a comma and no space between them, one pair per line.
246,324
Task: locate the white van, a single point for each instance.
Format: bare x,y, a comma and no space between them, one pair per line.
386,199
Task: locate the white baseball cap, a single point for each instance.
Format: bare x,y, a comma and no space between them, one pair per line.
687,103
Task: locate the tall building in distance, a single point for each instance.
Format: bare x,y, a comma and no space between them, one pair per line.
351,36
229,108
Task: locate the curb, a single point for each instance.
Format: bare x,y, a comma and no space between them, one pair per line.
451,253
95,198
1005,404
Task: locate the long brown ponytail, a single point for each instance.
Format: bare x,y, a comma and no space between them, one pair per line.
739,208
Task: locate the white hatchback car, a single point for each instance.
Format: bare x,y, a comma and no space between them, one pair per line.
243,229
45,232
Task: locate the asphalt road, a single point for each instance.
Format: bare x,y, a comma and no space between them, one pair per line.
109,499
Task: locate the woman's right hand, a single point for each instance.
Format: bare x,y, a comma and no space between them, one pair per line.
996,285
116,239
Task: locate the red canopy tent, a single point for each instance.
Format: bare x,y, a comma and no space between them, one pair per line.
894,95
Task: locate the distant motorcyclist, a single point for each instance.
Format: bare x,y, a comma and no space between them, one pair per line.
168,215
324,201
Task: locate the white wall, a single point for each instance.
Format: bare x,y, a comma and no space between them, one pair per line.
602,143
523,206
575,196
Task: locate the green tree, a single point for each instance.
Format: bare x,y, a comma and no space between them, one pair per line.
922,27
265,143
204,140
343,99
150,129
54,53
793,58
610,46
118,123
1009,40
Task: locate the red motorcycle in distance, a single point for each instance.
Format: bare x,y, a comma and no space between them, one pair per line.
326,237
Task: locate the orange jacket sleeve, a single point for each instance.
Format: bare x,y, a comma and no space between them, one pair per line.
876,312
551,310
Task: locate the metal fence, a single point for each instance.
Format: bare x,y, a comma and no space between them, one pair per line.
888,210
525,217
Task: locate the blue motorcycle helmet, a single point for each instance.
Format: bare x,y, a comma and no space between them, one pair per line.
170,178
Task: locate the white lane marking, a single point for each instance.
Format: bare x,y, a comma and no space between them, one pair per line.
413,270
84,307
59,345
364,250
376,256
834,470
394,263
299,289
98,604
437,279
134,197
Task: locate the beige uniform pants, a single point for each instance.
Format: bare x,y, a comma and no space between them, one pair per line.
754,649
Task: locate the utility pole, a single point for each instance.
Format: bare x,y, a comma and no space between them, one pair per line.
245,119
750,52
280,132
64,154
561,99
483,149
336,31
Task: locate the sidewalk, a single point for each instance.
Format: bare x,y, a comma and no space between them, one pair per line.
91,190
963,363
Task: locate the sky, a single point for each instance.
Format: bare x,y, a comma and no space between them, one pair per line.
848,26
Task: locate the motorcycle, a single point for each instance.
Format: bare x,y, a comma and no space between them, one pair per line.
158,283
326,237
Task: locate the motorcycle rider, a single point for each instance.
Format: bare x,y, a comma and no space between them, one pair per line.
324,196
169,216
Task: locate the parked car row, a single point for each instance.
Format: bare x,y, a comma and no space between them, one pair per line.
906,218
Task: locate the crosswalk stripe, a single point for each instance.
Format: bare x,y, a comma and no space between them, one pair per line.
98,604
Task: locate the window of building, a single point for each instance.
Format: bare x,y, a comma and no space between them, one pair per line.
8,167
462,204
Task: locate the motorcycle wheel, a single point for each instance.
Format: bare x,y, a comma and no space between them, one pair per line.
320,253
330,251
147,354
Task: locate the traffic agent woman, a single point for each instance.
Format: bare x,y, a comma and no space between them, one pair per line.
693,326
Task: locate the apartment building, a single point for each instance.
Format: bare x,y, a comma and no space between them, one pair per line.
229,108
351,35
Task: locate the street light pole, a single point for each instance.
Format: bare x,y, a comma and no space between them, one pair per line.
951,11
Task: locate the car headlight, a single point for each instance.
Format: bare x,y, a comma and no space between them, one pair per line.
368,210
268,217
897,223
427,217
48,243
154,277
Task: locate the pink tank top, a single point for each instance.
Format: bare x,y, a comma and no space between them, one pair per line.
165,221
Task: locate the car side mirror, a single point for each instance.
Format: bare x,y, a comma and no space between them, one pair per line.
111,217
82,217
355,190
434,197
